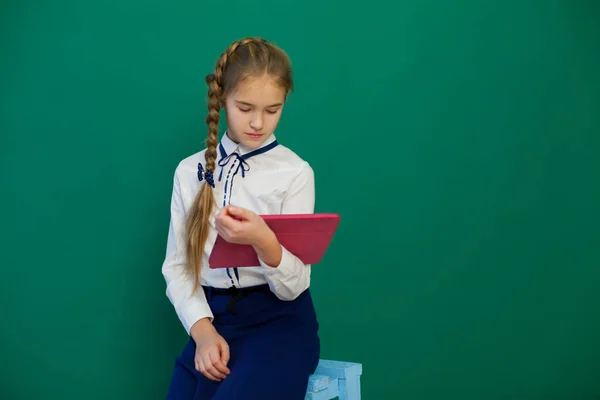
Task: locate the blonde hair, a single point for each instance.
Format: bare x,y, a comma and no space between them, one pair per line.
244,58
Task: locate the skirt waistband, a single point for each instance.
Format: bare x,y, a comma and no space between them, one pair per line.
214,291
235,293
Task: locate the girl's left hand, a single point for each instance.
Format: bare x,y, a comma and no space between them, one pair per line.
241,226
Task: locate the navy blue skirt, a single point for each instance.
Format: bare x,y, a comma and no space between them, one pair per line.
274,348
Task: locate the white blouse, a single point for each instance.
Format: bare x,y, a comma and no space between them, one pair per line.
269,180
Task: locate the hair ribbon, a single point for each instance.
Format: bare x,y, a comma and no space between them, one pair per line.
205,175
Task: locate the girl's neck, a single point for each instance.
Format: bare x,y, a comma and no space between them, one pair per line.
230,138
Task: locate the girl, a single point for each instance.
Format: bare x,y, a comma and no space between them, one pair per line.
253,330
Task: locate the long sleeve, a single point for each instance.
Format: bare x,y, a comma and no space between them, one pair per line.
291,277
189,307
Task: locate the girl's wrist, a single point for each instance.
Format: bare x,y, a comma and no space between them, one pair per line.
268,249
200,327
264,237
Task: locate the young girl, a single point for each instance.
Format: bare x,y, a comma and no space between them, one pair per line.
253,330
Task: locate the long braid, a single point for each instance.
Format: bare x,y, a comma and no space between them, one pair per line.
212,120
200,212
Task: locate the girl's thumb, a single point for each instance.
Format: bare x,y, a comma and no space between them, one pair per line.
236,212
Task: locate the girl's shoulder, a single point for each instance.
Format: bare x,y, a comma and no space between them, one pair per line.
287,158
190,163
186,170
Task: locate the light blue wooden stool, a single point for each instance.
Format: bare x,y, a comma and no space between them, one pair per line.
335,379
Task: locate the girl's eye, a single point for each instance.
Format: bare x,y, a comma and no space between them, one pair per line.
245,110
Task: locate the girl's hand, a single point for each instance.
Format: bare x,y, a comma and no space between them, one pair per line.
241,226
212,351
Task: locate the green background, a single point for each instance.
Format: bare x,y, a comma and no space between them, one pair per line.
459,141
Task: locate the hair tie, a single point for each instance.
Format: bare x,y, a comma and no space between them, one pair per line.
208,175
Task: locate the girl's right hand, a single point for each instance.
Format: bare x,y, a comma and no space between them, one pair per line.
212,351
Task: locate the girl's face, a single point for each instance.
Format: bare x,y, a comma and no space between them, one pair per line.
253,110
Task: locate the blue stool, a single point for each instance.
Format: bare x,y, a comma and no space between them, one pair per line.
335,379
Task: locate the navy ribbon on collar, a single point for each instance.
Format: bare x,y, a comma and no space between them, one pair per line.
243,165
226,158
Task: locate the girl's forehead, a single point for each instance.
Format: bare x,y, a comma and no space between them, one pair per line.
263,90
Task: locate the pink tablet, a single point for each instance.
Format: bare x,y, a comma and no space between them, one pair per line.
307,236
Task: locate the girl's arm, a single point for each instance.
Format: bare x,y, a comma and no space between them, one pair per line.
269,250
288,277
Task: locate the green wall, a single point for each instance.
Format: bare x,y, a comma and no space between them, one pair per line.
458,140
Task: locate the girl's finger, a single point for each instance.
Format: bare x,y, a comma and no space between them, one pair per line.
238,213
221,369
224,352
223,233
210,368
227,222
205,372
